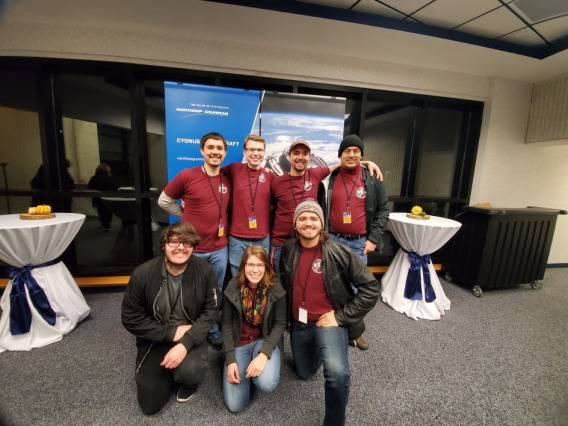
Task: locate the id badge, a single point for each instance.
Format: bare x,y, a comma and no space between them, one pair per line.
252,222
221,230
303,315
346,217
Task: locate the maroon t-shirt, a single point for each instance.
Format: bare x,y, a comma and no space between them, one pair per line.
348,185
308,287
247,185
289,191
206,200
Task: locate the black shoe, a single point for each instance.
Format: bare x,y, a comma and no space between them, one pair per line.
185,393
215,341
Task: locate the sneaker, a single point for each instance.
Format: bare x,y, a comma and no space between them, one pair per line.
215,341
360,343
185,393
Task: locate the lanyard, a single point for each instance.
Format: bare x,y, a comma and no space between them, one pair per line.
316,251
219,202
352,188
252,197
292,188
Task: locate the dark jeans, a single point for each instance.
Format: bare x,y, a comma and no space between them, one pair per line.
154,383
313,346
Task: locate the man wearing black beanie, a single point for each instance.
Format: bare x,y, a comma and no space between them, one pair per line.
356,209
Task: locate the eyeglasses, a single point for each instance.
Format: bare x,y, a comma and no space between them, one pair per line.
255,265
176,244
253,150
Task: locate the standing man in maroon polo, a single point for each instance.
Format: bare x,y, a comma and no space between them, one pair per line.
205,192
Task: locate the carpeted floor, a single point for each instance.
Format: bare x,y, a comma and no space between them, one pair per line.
501,359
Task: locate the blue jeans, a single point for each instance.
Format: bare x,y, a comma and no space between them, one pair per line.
236,396
274,254
313,346
218,260
238,245
357,245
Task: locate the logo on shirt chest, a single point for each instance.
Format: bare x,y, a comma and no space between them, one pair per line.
261,178
222,188
307,185
361,192
316,266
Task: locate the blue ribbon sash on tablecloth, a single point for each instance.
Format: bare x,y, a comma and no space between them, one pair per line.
20,313
413,288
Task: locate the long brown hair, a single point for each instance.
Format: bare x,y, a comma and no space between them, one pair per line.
269,276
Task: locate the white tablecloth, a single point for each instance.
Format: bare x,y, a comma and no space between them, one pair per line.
35,242
422,237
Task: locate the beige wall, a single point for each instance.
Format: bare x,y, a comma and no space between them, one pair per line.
209,36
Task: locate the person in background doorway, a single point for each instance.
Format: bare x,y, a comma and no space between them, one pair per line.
103,181
65,181
253,322
169,305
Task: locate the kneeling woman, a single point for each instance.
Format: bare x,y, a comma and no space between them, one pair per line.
253,321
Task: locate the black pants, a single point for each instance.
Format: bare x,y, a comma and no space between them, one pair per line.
154,383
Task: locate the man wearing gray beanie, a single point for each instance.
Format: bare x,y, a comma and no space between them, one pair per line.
356,208
318,274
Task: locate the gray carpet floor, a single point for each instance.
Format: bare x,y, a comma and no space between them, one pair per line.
501,359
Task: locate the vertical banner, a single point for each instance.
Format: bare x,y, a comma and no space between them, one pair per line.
194,110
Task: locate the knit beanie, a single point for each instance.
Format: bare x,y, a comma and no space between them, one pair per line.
308,206
351,140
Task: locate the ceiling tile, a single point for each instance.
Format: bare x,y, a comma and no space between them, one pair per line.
450,13
493,24
371,6
524,37
406,6
554,29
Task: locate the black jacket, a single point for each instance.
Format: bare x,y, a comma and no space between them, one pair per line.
376,205
273,323
141,317
340,268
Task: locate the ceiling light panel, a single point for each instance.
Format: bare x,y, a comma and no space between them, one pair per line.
538,10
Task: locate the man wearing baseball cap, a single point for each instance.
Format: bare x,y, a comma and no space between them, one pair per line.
318,274
356,208
290,189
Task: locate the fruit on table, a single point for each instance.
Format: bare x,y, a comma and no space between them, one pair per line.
42,209
416,210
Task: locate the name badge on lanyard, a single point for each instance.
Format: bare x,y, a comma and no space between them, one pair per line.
221,230
346,217
252,222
